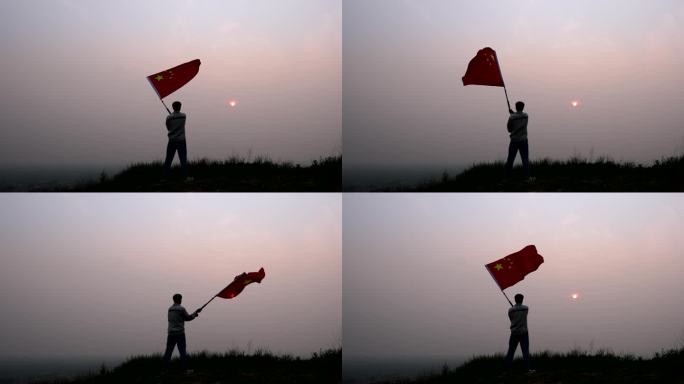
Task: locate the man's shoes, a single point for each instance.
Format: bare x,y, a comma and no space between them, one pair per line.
189,179
189,371
531,371
531,179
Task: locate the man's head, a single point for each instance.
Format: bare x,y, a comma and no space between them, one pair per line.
177,298
177,105
519,298
519,106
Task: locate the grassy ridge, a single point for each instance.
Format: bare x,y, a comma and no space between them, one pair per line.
574,175
573,367
230,367
232,175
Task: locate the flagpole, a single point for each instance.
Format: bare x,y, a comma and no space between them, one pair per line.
505,91
509,300
207,303
497,283
507,102
169,111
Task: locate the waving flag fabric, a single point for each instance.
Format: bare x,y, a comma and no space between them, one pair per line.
169,81
241,281
484,69
514,267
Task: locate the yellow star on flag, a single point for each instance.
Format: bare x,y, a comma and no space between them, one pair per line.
159,77
498,267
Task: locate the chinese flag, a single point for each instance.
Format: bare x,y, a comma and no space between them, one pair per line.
169,81
241,281
514,267
484,69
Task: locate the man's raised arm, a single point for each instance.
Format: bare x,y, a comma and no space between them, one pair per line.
190,317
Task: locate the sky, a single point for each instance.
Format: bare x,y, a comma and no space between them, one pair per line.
404,104
93,275
414,282
75,92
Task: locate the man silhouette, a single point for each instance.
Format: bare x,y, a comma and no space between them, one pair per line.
517,127
518,316
176,332
175,125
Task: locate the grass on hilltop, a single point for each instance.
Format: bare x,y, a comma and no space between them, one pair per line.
573,175
576,366
233,175
230,367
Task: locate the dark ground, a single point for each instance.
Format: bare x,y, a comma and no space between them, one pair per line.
574,175
233,367
233,175
574,367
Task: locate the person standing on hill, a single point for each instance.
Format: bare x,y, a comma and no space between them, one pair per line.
175,125
176,332
518,316
517,128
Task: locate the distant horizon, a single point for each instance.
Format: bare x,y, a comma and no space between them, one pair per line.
246,157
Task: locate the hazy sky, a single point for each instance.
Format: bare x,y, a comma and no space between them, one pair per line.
74,88
404,102
93,275
414,282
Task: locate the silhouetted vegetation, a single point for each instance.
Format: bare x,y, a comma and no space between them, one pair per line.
574,175
230,367
232,175
574,367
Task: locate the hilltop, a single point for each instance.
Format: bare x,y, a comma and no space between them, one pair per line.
574,175
232,175
231,367
569,368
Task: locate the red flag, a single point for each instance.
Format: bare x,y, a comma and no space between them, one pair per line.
169,81
241,281
484,69
513,268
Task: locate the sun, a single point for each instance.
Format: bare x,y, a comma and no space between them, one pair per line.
232,103
574,103
574,296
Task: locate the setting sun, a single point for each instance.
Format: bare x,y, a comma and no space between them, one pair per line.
574,296
232,103
575,103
